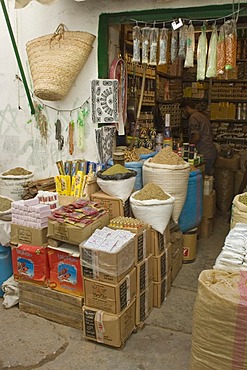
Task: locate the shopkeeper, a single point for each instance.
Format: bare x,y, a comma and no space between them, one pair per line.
200,134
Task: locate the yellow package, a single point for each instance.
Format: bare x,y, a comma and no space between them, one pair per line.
77,181
63,184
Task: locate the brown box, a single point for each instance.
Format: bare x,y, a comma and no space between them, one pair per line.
206,228
228,163
28,235
177,252
177,263
142,241
209,205
161,290
144,271
161,265
52,305
114,206
75,234
159,241
108,328
109,297
105,266
144,304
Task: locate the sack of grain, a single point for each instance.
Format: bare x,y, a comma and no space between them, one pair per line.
151,209
171,174
239,209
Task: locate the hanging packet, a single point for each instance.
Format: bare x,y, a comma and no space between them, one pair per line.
136,32
174,46
163,45
182,41
154,36
231,44
202,54
212,56
221,51
145,44
190,47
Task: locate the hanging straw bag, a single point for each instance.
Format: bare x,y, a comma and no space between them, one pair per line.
55,61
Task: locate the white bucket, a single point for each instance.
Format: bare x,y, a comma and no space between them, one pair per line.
12,186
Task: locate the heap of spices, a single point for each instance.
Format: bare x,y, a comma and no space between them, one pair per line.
5,204
243,199
117,168
167,156
17,171
143,150
151,191
131,155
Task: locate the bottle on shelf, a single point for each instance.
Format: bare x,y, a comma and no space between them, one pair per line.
239,111
167,130
244,115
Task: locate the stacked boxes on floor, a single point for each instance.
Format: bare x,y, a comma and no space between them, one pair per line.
114,206
109,273
209,209
161,259
176,239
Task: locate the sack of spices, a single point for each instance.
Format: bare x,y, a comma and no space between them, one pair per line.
239,209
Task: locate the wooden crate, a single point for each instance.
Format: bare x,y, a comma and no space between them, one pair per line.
52,305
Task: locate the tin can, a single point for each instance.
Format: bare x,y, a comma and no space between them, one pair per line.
192,147
159,139
167,142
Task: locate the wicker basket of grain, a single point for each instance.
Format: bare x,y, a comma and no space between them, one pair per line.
55,61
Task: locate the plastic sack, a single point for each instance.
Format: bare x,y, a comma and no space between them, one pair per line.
239,211
137,167
191,214
116,176
182,41
120,189
5,230
173,179
202,49
11,292
154,37
231,44
163,46
136,32
154,212
219,322
190,47
212,56
221,51
174,46
145,31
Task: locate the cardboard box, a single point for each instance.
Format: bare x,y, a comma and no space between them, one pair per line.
144,271
105,266
206,228
50,304
28,235
65,269
228,163
177,252
91,188
30,263
161,265
209,205
114,206
112,298
142,241
108,328
161,290
144,304
177,263
74,234
159,241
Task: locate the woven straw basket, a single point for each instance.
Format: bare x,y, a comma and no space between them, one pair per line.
55,61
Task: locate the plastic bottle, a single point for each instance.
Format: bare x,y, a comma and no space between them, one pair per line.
244,117
239,110
167,131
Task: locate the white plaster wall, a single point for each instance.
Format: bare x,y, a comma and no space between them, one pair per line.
20,142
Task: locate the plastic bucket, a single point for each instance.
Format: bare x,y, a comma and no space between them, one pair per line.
12,186
5,265
189,245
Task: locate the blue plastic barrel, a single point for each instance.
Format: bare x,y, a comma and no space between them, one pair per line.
5,265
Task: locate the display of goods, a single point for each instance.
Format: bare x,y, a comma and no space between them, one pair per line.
132,155
79,213
151,191
125,222
243,199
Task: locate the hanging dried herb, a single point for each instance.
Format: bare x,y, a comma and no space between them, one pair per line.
41,120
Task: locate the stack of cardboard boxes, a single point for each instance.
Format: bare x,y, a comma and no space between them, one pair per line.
206,227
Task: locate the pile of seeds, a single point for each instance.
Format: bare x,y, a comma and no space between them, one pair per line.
151,191
131,155
117,168
143,150
243,199
18,171
5,204
167,156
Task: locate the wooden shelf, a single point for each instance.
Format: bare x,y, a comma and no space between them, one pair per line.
232,80
233,100
166,75
228,120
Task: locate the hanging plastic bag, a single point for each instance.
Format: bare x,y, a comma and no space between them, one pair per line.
202,49
190,47
212,56
163,46
182,41
231,44
145,44
221,51
154,37
136,32
174,46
